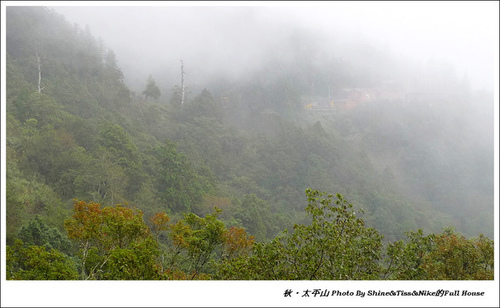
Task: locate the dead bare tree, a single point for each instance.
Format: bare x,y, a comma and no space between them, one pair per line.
183,89
39,61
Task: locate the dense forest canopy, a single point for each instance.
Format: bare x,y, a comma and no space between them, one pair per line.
108,183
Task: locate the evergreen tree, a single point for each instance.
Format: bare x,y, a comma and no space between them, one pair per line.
151,89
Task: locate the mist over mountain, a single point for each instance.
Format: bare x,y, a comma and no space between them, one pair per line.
237,40
196,142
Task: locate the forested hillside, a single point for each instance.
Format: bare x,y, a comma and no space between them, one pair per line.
107,183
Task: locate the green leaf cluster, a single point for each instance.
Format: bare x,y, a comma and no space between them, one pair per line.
38,263
336,245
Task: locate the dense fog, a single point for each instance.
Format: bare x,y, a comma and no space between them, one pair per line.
402,93
444,52
236,40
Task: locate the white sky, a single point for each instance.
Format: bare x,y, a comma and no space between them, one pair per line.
462,33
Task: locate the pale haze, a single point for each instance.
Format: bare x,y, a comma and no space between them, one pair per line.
234,38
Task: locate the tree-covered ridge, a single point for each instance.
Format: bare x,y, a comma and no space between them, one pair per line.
114,243
76,132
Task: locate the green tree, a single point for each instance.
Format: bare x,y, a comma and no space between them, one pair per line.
255,216
120,156
113,240
135,262
104,180
38,263
456,258
198,238
405,260
237,243
445,256
335,246
111,66
151,89
178,184
35,232
28,196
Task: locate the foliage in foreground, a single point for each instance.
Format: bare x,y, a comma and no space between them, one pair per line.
114,243
336,245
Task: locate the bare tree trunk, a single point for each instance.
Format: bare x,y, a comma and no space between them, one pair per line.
39,60
183,90
84,259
